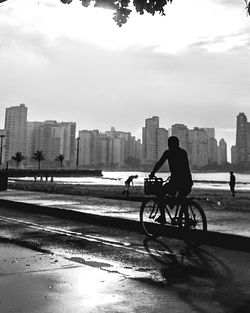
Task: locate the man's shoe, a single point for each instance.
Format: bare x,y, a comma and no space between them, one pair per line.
160,219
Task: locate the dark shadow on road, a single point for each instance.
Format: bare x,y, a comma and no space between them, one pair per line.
198,277
187,263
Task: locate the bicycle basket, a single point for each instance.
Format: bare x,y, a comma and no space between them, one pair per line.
152,186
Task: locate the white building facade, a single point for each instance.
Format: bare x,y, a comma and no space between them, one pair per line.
16,130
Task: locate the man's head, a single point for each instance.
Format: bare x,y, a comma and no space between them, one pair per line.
173,142
231,173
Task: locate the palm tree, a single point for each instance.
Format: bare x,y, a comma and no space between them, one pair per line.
18,157
60,158
39,156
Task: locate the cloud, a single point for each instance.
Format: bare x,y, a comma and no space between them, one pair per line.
230,3
99,88
222,43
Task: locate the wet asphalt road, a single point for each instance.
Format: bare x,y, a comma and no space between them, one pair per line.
209,278
109,248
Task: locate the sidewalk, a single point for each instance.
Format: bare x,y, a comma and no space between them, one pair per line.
226,229
35,282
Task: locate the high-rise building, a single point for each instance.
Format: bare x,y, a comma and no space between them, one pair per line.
2,146
138,149
242,138
130,147
16,130
32,130
111,149
118,148
234,156
222,152
212,151
181,131
103,150
212,145
45,140
149,140
95,146
154,140
52,138
162,141
89,148
198,147
117,152
67,140
210,131
85,145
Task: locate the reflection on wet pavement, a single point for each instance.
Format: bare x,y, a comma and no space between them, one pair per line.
219,219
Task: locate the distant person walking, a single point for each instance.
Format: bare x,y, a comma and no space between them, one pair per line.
232,183
128,183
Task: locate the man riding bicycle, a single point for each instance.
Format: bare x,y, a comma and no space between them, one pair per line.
180,183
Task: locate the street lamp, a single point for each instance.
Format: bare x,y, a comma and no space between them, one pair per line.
1,148
77,151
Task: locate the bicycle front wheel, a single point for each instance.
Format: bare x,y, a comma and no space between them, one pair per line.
149,212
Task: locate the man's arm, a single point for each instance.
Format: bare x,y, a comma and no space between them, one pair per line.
159,164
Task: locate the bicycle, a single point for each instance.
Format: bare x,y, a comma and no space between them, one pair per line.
185,214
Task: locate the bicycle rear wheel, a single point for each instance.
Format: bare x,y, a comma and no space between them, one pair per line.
192,217
149,212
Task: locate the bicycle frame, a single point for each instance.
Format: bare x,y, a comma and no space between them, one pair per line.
173,216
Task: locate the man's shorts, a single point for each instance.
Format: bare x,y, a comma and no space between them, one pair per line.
173,189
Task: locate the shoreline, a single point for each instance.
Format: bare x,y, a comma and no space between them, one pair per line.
212,198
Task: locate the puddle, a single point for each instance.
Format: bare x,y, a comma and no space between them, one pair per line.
89,263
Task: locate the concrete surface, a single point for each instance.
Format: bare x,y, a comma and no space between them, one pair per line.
34,282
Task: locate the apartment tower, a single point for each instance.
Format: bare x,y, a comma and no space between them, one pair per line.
16,130
149,140
242,138
222,152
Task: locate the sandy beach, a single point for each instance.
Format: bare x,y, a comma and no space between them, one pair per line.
208,198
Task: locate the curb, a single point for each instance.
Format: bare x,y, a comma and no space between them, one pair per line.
74,215
222,240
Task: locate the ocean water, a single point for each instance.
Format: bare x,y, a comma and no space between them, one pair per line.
201,180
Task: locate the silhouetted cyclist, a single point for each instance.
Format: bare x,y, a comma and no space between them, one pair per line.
180,183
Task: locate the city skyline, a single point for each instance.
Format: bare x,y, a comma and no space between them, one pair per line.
112,148
139,132
228,134
118,148
79,128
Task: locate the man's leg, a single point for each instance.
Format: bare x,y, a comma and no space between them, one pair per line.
161,204
125,192
167,189
182,194
128,190
232,190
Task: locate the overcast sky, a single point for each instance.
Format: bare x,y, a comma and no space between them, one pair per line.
69,63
